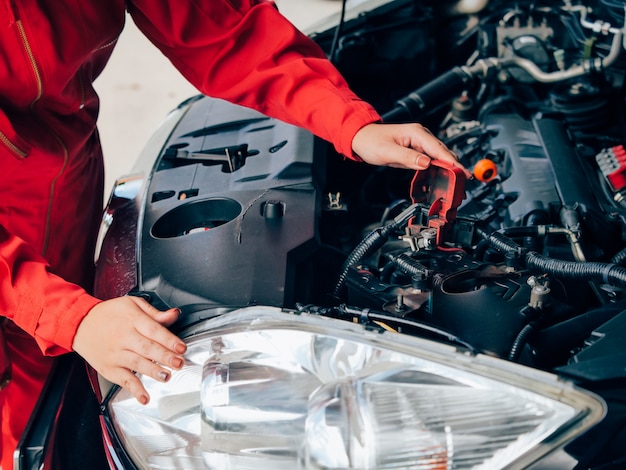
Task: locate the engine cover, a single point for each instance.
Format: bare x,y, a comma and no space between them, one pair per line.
230,209
527,172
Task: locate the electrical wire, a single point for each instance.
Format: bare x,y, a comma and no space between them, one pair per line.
337,35
390,319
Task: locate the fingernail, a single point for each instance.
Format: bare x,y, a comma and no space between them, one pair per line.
164,376
178,311
180,348
143,399
423,161
177,363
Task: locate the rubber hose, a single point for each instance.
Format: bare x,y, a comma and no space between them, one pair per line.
520,342
370,244
409,265
606,273
430,96
499,241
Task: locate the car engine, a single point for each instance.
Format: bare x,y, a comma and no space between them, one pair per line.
533,244
527,261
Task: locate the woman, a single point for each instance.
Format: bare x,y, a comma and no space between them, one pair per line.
51,170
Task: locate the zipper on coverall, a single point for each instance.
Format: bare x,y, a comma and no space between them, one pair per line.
14,149
39,83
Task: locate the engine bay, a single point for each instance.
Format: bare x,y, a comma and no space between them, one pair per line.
530,97
523,261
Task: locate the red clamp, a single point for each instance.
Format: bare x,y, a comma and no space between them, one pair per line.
442,187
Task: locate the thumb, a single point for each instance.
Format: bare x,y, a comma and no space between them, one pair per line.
421,160
409,158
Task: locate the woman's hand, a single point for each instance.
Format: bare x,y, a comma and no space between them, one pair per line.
125,335
409,146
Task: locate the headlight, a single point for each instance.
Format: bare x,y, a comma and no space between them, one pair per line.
267,389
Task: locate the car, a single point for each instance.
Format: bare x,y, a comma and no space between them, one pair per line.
342,316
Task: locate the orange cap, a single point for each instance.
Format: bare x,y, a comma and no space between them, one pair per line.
485,170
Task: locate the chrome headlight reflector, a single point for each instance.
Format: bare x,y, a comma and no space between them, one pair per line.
263,388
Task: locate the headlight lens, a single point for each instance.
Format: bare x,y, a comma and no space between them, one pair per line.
267,389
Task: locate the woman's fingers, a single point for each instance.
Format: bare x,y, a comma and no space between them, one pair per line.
409,146
164,317
122,336
162,343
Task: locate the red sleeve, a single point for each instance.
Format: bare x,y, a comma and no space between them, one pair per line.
41,303
246,52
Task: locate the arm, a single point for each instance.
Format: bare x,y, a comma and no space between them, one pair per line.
251,55
41,303
116,337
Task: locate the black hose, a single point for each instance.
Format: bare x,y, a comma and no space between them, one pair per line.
536,217
527,232
499,241
520,341
481,249
606,273
371,243
409,265
430,96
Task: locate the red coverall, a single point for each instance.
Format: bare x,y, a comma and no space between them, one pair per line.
51,169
